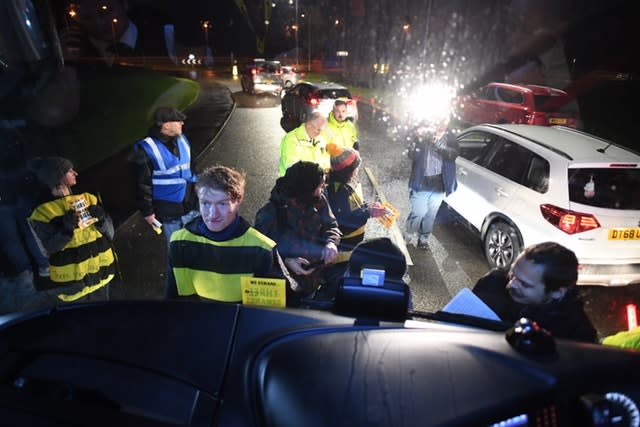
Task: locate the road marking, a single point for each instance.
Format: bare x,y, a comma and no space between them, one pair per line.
395,231
452,275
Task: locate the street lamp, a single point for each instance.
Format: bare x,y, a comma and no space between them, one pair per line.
297,46
114,21
308,25
206,25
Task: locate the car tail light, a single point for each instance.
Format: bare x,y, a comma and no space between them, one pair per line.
253,71
569,221
314,101
632,318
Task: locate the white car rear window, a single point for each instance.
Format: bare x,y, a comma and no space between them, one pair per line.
612,188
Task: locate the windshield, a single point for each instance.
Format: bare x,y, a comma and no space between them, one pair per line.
112,110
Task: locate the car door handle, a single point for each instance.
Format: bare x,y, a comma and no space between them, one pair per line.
501,192
462,171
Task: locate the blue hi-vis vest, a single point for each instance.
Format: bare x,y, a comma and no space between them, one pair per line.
170,173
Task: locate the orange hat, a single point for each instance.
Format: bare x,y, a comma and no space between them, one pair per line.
342,158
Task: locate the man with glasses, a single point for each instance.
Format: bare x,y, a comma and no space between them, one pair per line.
305,143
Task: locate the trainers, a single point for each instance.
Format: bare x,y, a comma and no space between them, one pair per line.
422,242
409,237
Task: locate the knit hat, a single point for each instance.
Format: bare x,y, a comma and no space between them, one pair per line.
302,178
167,114
342,158
52,170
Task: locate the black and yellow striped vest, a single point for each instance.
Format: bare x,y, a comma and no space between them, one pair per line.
87,261
213,269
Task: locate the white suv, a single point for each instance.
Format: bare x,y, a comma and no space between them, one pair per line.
523,184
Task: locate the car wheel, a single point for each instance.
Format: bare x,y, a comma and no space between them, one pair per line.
288,84
501,245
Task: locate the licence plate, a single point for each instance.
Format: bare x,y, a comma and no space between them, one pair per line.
624,234
556,121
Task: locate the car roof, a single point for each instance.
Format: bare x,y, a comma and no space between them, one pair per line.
325,85
574,145
535,89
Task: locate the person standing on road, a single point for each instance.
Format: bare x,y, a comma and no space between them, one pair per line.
210,255
299,219
163,172
346,202
540,286
340,130
433,175
75,232
305,143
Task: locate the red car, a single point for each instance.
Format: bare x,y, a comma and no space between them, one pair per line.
518,104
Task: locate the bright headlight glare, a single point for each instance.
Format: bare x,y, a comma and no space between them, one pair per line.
431,103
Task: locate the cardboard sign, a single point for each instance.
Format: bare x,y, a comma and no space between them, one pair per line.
392,214
263,291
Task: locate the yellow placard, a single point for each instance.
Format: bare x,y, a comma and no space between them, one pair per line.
392,214
263,291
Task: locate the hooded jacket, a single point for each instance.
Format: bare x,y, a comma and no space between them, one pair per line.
300,229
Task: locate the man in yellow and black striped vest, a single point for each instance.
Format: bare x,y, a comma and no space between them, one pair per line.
210,255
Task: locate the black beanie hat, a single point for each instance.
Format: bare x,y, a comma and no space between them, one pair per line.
51,170
302,178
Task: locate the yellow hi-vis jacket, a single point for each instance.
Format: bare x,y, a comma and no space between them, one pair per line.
343,134
296,146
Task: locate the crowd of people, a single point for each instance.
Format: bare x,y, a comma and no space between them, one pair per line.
305,234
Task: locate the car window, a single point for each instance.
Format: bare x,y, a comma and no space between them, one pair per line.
611,188
303,90
334,93
487,93
537,177
509,160
549,104
508,95
474,146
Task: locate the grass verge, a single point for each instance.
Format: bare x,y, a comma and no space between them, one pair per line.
116,109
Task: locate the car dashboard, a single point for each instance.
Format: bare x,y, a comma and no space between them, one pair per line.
192,364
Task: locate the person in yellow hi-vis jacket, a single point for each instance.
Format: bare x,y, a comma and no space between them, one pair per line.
624,339
305,143
340,130
74,232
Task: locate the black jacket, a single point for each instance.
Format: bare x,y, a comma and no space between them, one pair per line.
564,318
164,210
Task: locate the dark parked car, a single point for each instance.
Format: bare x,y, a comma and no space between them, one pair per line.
305,98
262,76
517,104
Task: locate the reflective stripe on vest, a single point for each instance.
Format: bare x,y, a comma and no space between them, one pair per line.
170,173
213,269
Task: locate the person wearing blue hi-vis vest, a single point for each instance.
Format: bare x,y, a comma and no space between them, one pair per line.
163,172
